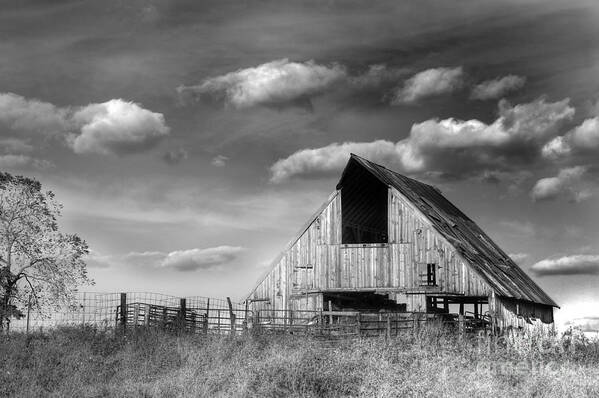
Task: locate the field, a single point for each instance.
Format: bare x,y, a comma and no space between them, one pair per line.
84,362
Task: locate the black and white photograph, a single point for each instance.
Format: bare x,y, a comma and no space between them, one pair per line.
299,198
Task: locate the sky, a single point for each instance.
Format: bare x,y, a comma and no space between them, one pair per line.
190,140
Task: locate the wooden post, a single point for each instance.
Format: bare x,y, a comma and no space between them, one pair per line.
207,314
330,313
231,315
461,308
182,314
245,317
29,313
388,334
461,325
446,305
147,315
123,315
476,310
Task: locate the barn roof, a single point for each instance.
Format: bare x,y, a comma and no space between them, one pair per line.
487,259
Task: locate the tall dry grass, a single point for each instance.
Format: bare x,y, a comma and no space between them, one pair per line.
84,362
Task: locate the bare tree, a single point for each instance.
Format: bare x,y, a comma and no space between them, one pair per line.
39,265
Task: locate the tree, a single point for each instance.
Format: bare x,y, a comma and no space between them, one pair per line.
39,265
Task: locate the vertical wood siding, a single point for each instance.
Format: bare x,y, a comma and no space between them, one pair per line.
318,261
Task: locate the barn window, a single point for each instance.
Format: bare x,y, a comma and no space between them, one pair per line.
364,203
430,277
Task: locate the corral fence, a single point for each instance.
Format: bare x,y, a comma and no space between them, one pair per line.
203,315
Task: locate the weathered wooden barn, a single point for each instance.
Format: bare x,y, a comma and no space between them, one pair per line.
385,242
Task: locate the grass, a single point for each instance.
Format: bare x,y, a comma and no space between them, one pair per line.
84,362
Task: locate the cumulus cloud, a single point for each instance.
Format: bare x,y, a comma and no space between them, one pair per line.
175,156
582,139
586,324
219,161
447,148
180,260
431,82
116,127
497,88
193,259
565,183
577,264
113,127
31,115
270,84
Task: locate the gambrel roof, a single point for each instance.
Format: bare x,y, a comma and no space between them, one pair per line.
487,259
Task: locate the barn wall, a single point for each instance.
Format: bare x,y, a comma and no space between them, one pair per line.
415,243
299,268
519,314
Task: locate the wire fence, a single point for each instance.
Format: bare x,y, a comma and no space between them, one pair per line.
109,310
203,315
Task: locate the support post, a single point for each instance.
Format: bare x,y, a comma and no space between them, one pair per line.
123,315
461,326
147,315
231,315
330,313
28,312
135,314
182,314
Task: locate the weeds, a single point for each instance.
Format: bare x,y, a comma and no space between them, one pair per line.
84,362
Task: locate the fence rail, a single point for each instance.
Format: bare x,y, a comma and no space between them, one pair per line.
203,315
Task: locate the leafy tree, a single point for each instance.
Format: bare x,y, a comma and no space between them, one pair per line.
39,265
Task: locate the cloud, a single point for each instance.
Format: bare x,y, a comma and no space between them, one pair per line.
175,156
116,127
219,161
180,260
429,83
112,127
566,182
194,259
30,115
582,139
497,88
578,264
448,148
11,161
274,83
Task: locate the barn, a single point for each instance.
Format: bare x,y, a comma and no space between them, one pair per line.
386,242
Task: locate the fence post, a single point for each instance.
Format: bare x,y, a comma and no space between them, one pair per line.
182,314
123,314
28,312
147,315
231,315
416,320
135,314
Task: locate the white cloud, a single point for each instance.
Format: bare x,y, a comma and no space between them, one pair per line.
180,260
497,88
116,127
31,115
566,182
578,264
583,138
435,81
447,147
193,259
273,83
219,161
